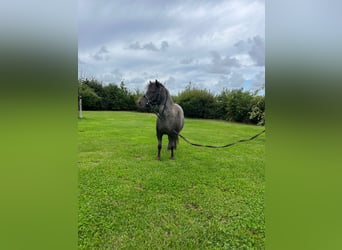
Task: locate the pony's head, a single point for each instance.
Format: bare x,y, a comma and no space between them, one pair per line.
153,95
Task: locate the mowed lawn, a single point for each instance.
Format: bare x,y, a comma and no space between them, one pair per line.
204,199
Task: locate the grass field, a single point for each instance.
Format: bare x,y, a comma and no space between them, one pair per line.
204,199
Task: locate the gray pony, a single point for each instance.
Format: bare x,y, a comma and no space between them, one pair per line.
170,115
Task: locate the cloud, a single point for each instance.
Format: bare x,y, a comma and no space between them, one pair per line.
103,50
164,45
135,45
113,76
149,46
136,80
186,60
258,81
171,80
80,61
234,80
242,46
101,54
135,83
257,52
222,65
117,74
254,47
175,85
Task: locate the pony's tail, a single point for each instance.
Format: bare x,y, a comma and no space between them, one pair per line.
173,140
176,141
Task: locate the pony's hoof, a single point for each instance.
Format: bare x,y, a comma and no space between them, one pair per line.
172,158
158,158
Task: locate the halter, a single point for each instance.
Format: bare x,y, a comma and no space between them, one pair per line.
150,103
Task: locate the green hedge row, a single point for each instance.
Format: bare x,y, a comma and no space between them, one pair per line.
234,105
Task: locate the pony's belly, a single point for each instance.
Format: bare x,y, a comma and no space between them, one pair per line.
167,129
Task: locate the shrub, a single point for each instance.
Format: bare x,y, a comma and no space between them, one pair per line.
90,100
257,113
197,103
95,96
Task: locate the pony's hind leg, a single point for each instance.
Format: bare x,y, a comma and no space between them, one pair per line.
172,156
171,146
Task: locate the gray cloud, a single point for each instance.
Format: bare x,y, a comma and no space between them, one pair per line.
222,65
257,52
149,46
164,45
186,60
236,80
241,45
254,47
103,50
80,61
258,81
101,54
233,81
117,74
174,83
135,83
113,76
135,45
171,80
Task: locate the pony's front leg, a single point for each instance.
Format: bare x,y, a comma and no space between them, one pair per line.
160,137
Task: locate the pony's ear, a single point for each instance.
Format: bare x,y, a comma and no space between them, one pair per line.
157,83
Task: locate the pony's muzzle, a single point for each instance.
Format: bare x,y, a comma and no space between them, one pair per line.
143,102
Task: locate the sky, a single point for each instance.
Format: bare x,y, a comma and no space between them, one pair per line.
215,45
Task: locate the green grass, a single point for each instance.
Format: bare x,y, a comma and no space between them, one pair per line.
204,199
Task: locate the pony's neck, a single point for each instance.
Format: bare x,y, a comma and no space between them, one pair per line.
168,99
166,102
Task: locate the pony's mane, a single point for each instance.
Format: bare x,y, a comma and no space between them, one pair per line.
156,82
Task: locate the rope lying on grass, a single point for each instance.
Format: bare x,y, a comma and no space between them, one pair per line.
211,146
224,146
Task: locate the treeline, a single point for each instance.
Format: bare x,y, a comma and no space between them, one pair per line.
233,105
95,96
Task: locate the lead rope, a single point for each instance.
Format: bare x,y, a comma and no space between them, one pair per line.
224,146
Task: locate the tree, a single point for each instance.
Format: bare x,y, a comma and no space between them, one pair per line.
111,98
238,105
257,113
197,103
90,100
127,99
